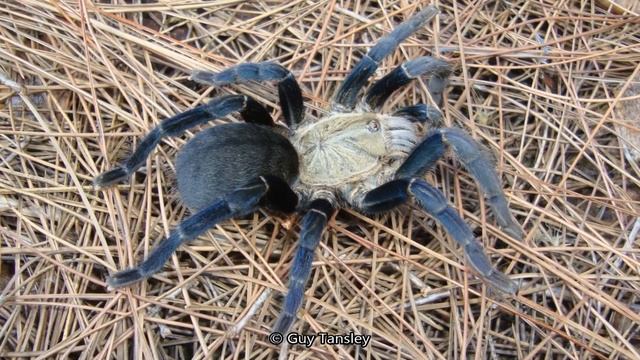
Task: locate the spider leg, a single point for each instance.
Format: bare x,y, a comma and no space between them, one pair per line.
288,88
423,113
176,125
239,202
430,199
313,224
475,159
404,74
436,86
345,97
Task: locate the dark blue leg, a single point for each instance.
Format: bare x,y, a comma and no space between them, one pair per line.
288,88
385,197
475,159
436,86
345,97
254,112
433,202
280,198
423,157
427,114
241,201
176,125
313,224
404,74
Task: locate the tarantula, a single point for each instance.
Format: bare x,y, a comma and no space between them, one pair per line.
354,157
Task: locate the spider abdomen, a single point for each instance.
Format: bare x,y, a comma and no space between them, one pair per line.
224,157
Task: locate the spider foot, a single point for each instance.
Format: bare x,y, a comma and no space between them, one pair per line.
124,278
501,282
110,177
514,230
422,113
284,323
480,262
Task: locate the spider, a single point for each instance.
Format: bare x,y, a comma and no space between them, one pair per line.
355,157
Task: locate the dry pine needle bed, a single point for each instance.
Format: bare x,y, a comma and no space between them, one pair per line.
550,87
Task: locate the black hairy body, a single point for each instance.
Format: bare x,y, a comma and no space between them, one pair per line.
207,166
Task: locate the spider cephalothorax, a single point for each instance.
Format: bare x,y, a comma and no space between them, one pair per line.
354,157
348,154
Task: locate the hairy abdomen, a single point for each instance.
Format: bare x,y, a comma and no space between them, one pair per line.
222,158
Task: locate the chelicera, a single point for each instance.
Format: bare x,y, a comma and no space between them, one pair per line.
355,157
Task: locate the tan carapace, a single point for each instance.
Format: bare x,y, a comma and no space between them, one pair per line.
348,154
